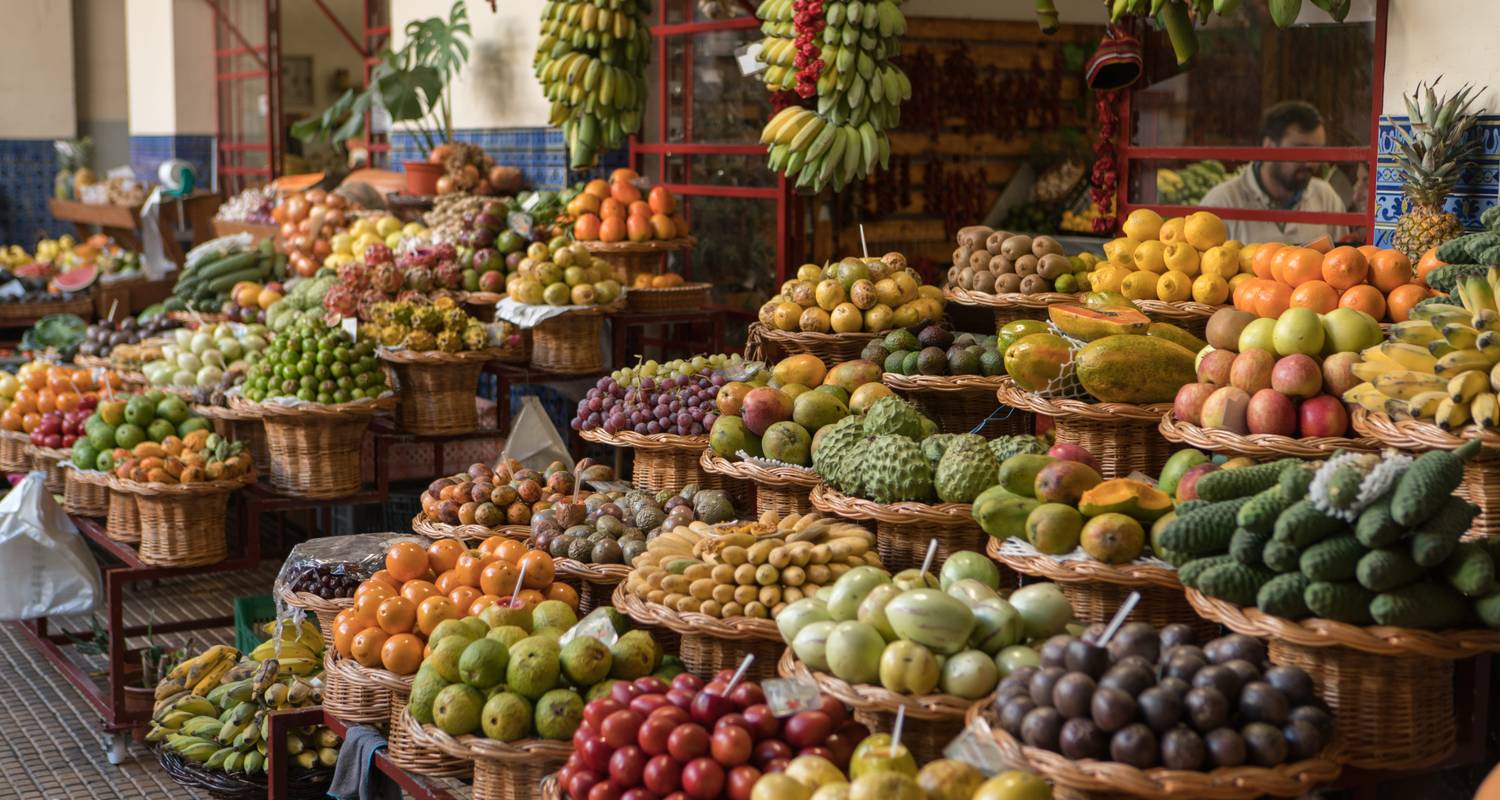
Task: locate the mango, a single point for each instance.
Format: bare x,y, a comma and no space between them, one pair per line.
1054,528
1064,482
1179,462
851,375
1018,473
1002,513
1113,538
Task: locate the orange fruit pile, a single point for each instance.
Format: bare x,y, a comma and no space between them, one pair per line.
1378,282
41,388
398,607
615,210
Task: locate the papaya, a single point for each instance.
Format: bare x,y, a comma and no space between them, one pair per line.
1134,369
1132,498
1088,324
1036,360
1172,333
171,445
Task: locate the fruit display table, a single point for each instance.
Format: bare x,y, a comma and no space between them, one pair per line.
282,722
123,222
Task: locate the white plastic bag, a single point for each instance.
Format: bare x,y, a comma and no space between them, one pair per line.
45,565
533,440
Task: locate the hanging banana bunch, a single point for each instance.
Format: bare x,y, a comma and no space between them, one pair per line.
591,62
840,53
1178,16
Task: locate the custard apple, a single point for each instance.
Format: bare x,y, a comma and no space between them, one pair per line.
1006,446
935,445
892,415
832,444
965,471
895,469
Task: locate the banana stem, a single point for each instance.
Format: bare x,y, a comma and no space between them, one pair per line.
1046,16
1174,16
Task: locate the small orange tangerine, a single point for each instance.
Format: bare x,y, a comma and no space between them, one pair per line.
491,543
661,227
538,569
406,561
470,564
481,603
343,636
498,578
1274,298
1425,265
445,583
624,192
1298,265
661,200
586,229
366,645
1366,298
639,209
624,174
377,588
562,591
463,596
511,550
610,209
1402,298
1316,295
402,653
612,229
1344,267
1264,255
418,590
442,554
396,615
598,187
385,577
433,610
1390,269
638,229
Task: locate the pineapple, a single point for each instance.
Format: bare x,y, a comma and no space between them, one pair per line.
1431,154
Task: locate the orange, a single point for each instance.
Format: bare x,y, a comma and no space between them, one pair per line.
611,209
481,603
365,609
380,589
385,578
639,209
1261,263
661,227
638,229
24,401
679,225
563,592
661,200
1366,298
612,229
68,401
445,583
530,598
626,193
365,647
396,614
498,578
538,568
598,187
402,653
1368,251
624,174
511,550
442,554
463,596
343,635
1316,295
1402,298
1322,244
61,380
433,610
406,561
583,203
1425,265
46,401
36,379
1344,267
1298,265
10,419
586,229
1274,298
470,564
1389,269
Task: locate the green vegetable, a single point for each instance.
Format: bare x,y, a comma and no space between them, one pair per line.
1386,569
1420,605
1345,601
1228,484
1282,596
1428,482
1333,559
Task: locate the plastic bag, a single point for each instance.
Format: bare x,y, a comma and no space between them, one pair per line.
45,565
336,564
533,440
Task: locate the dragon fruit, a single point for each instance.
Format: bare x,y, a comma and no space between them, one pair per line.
419,279
352,276
386,277
378,253
448,275
418,257
444,252
340,300
368,301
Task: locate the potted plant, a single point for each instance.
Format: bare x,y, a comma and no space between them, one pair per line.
410,85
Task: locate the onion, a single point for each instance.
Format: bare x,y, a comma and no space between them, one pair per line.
317,196
296,208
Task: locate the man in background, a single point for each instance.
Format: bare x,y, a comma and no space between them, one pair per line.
1281,185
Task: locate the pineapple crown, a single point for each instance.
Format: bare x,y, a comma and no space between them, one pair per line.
1432,148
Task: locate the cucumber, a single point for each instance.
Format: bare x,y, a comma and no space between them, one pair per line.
224,283
224,266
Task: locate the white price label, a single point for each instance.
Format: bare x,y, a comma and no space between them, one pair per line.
598,627
521,223
786,698
1142,477
747,56
350,326
976,747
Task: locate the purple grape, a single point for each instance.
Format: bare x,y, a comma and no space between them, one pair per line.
684,420
653,427
595,404
709,419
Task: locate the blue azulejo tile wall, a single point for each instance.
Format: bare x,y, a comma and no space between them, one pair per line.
540,153
27,169
1478,184
147,153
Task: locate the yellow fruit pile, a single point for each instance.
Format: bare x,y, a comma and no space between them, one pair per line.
1174,260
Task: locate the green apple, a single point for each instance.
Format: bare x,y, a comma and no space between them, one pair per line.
1349,330
1258,335
1297,330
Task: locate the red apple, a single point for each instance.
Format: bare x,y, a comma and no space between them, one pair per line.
682,698
606,790
651,684
834,709
1338,373
734,718
1072,452
623,693
1225,408
596,753
708,706
594,713
1213,368
1251,371
807,728
746,694
742,781
687,741
769,750
653,734
1324,415
637,793
776,765
626,766
1297,375
619,729
762,723
1271,412
1188,405
673,713
687,680
647,703
579,783
662,774
702,779
731,745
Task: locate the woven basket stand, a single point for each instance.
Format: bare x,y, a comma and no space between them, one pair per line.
85,494
960,403
48,460
237,426
764,343
783,490
13,457
903,530
569,342
1481,482
629,259
666,462
181,525
1262,446
688,297
502,770
1123,437
1009,307
348,696
1188,315
315,449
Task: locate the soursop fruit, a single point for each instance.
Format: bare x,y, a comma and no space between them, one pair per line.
892,415
894,469
965,471
935,445
850,476
1004,447
833,444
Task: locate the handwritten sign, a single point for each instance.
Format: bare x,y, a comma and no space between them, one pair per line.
786,698
976,747
596,627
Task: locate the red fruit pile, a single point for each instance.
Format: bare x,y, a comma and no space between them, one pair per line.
690,741
63,428
809,22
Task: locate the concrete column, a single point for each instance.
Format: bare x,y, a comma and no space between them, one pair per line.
170,75
36,81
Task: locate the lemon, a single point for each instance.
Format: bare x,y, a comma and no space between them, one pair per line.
1239,279
1139,285
1246,256
1150,256
1219,261
1182,257
1210,289
1174,287
1108,278
1203,230
1142,224
1119,250
1171,230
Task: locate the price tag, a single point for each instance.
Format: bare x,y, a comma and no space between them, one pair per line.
976,747
532,201
1142,477
598,627
521,223
350,326
788,697
747,56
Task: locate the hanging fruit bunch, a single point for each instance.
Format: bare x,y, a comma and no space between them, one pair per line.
838,52
1179,16
591,62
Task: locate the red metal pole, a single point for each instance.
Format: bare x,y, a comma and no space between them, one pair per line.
229,26
344,32
1377,101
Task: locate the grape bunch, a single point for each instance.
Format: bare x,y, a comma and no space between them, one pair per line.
316,362
329,581
629,377
677,405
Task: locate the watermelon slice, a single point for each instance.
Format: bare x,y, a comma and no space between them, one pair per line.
76,279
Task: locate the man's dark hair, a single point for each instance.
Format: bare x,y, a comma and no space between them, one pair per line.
1287,114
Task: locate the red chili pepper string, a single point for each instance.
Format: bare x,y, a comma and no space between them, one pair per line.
1105,176
807,17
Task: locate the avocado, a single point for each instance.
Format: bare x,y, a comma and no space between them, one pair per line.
991,363
932,361
901,339
962,361
935,336
894,361
909,364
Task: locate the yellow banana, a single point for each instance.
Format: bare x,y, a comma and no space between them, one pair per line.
1409,356
1415,331
275,697
298,666
1365,395
1460,361
1486,410
1451,415
1460,335
1464,386
307,759
294,744
327,756
1408,384
1433,311
325,737
1488,345
1486,320
1495,378
1425,404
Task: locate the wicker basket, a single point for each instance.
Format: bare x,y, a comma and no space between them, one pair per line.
763,343
1191,317
709,644
181,524
412,755
932,720
436,390
1481,483
1096,590
48,460
667,462
1391,689
1123,437
903,530
13,455
324,610
1098,780
961,403
239,426
550,790
85,492
122,521
783,490
12,313
666,300
569,343
350,695
422,526
502,770
1010,306
629,259
594,582
315,449
1261,446
301,784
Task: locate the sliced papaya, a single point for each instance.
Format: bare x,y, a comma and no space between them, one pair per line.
1088,324
1125,496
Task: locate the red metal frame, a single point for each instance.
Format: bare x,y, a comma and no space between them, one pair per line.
780,193
1128,152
